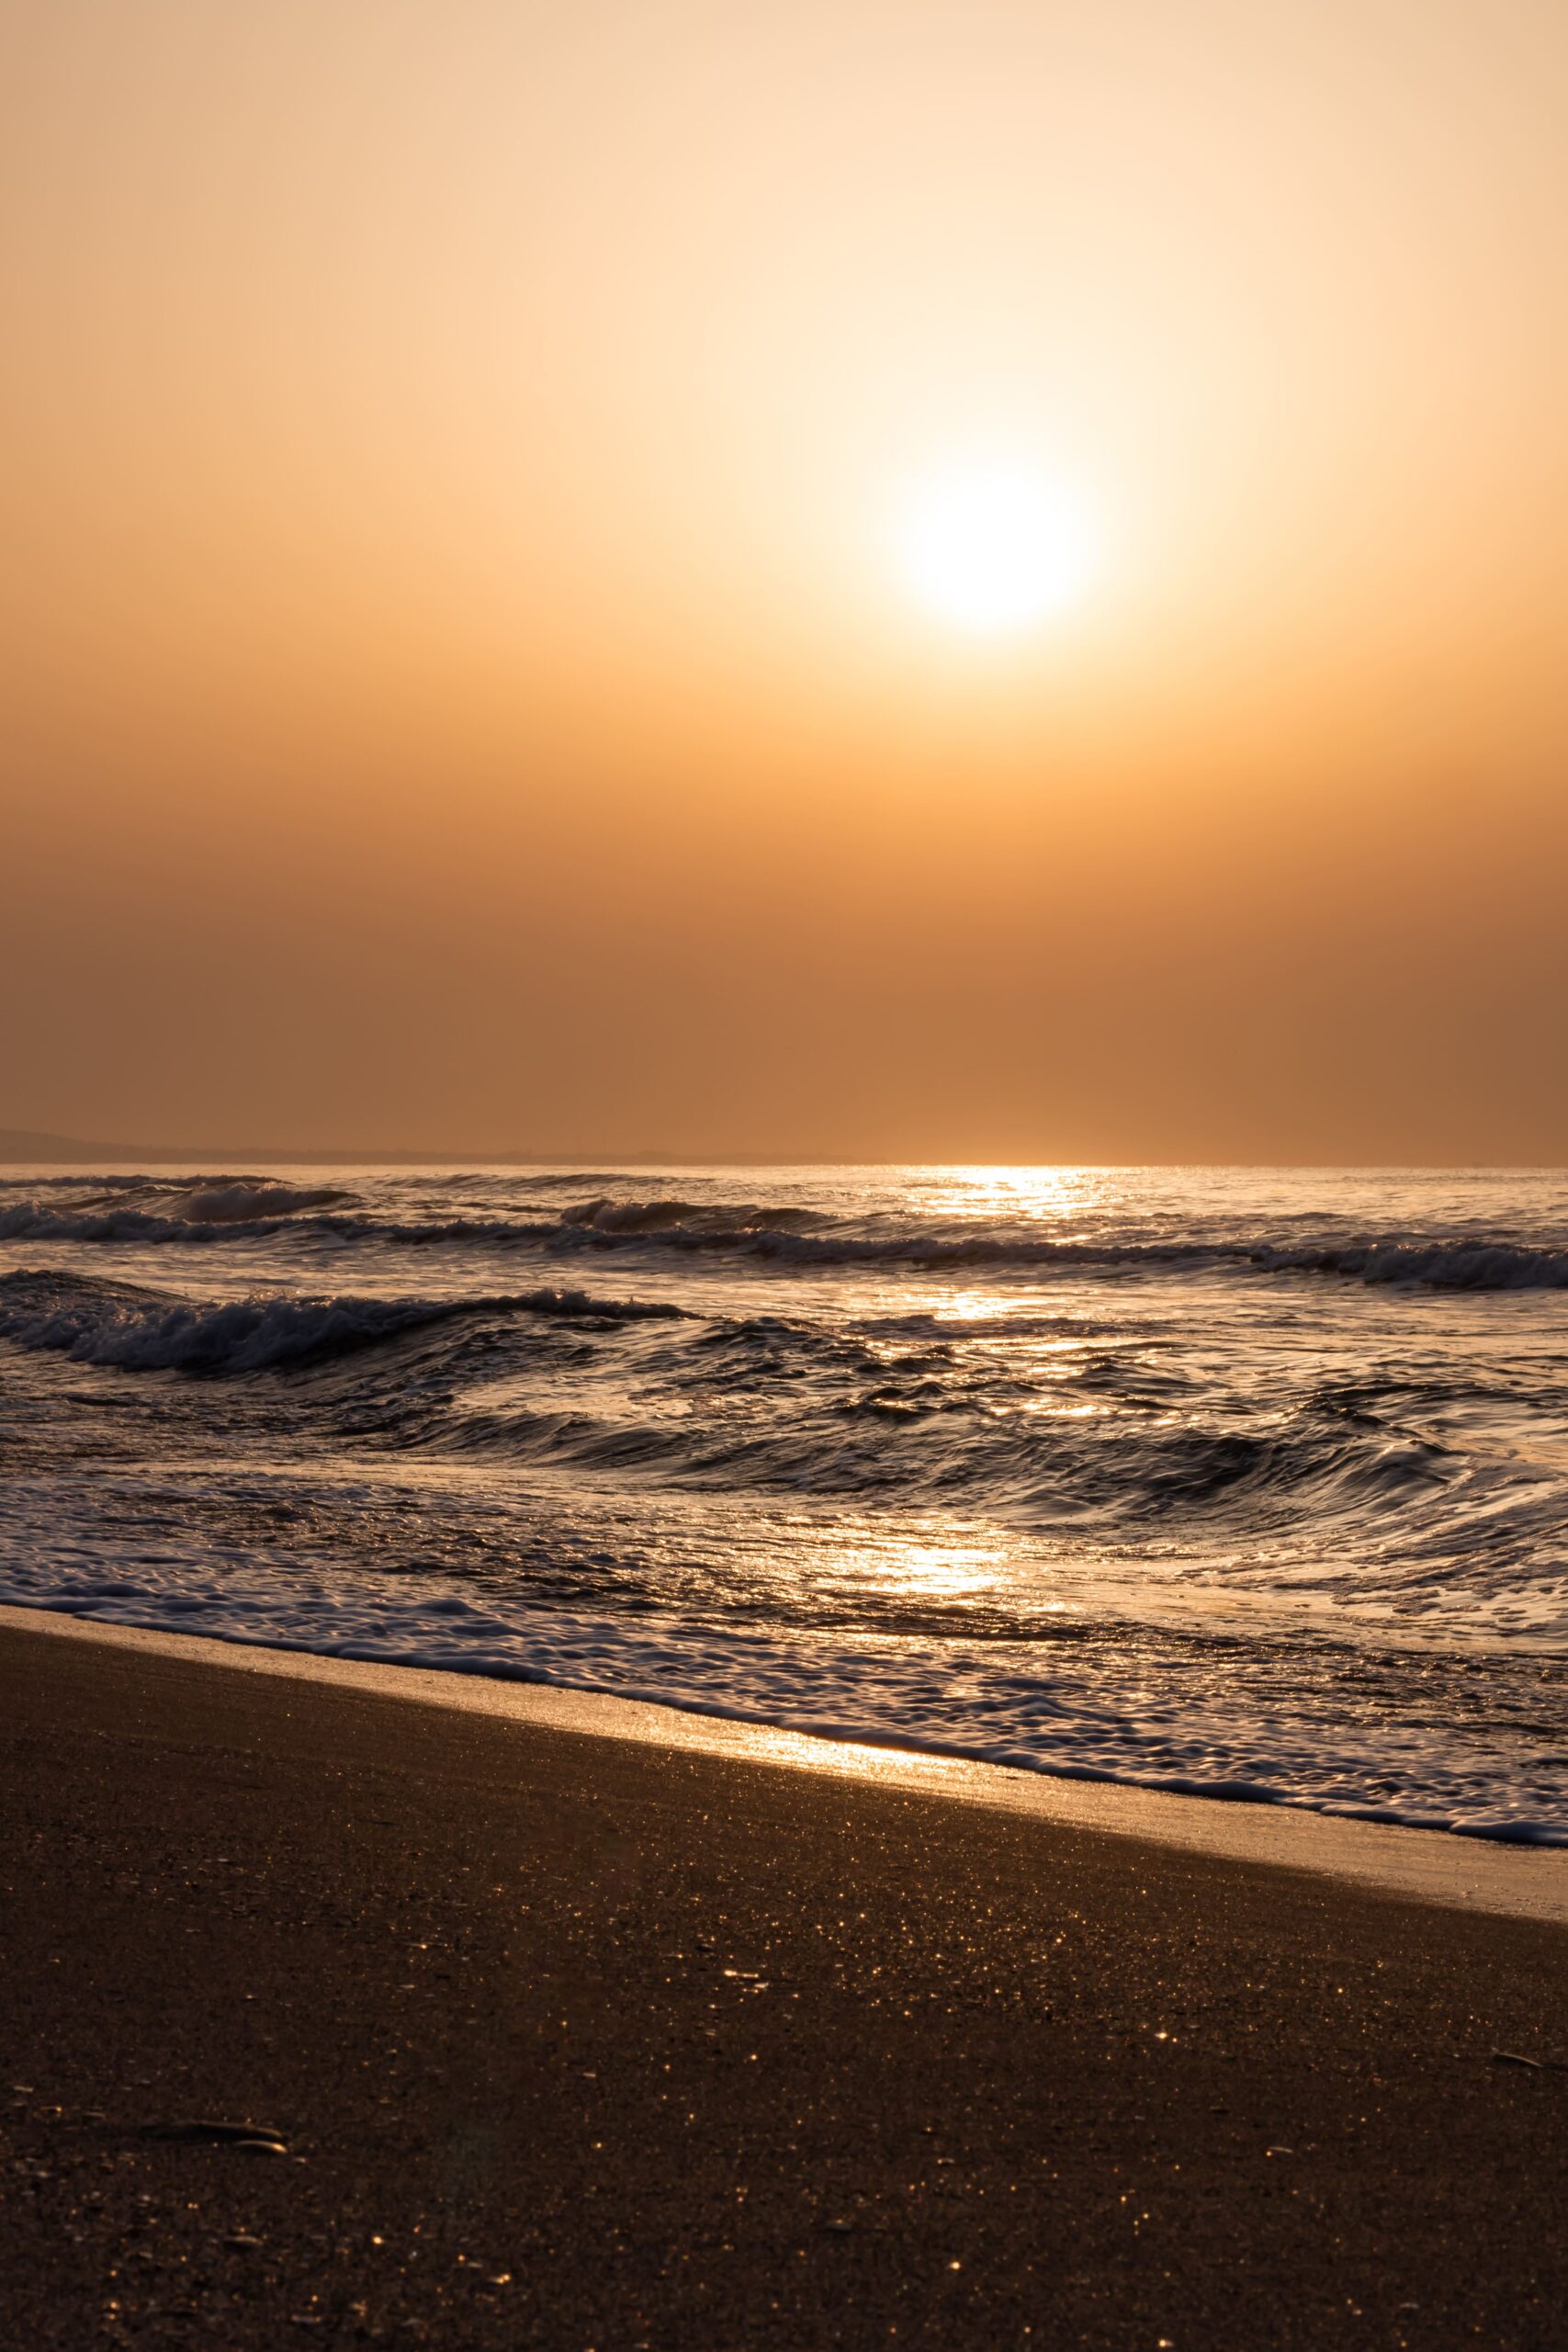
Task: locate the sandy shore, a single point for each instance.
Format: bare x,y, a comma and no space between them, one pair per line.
593,2043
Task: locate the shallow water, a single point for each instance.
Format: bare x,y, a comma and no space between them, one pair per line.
1250,1482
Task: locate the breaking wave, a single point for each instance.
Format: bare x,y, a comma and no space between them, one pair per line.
240,1201
138,1332
1437,1265
234,1210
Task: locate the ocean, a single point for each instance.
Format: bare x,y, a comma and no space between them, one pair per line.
1248,1483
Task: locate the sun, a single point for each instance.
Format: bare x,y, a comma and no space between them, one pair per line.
995,548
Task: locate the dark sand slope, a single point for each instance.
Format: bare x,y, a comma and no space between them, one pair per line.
585,2044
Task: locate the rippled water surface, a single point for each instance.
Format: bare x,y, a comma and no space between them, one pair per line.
1253,1482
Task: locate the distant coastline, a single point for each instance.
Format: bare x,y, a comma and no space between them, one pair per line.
29,1148
26,1147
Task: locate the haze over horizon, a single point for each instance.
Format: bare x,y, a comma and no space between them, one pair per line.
33,1147
508,645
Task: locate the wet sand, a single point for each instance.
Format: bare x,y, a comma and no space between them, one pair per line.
582,2042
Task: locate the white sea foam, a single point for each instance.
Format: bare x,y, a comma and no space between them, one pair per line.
991,1703
137,1333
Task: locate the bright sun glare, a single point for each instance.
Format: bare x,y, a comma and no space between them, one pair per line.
994,548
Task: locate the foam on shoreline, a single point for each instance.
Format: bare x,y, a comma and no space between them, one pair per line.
1412,1864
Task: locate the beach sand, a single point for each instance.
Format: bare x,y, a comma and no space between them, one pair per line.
591,2042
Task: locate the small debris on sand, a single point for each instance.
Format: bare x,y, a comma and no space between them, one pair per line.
221,2134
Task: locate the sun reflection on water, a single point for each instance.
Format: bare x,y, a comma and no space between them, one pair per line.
908,1574
1035,1195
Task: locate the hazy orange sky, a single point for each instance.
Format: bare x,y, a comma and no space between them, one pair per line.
462,686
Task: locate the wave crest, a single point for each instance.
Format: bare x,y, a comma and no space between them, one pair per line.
138,1331
1433,1265
239,1201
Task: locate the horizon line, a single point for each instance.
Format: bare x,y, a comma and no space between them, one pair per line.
87,1152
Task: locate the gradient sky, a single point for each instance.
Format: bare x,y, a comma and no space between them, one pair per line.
460,692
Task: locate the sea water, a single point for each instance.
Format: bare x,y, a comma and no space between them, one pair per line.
1248,1483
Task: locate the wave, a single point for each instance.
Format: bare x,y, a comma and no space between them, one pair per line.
1111,1477
122,1179
138,1331
1433,1265
240,1199
235,1209
725,1224
232,1214
785,1237
136,1208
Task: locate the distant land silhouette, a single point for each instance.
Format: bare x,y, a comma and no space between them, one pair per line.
26,1146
